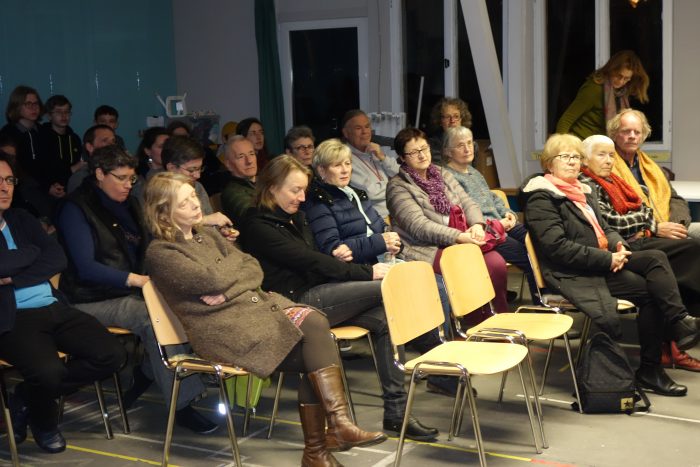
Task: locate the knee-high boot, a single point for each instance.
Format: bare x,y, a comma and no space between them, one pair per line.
328,386
313,424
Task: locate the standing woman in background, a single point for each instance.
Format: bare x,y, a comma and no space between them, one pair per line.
604,94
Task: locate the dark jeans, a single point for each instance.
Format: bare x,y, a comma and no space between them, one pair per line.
32,347
360,304
684,258
648,282
513,250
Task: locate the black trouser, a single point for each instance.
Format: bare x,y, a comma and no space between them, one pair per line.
316,350
648,281
684,258
32,346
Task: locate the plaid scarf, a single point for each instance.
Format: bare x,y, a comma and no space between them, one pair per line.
622,196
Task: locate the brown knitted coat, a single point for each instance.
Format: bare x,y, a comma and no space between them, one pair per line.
250,328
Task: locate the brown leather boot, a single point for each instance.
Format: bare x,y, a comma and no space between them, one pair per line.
328,386
682,360
313,424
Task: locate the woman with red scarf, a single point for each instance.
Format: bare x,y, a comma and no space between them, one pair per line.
592,266
625,212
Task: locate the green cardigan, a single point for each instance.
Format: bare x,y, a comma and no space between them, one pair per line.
584,116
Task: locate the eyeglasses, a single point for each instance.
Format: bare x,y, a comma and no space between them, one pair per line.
570,157
192,170
31,104
9,180
425,150
132,179
304,147
452,117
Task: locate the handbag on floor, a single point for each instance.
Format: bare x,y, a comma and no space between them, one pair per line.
606,380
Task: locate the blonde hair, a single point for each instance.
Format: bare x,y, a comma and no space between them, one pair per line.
273,175
330,152
555,144
160,198
638,84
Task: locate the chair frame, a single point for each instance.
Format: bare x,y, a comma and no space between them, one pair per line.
169,331
402,331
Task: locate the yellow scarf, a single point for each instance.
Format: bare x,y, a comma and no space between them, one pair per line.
659,198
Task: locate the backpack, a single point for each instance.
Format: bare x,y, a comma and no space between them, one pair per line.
606,380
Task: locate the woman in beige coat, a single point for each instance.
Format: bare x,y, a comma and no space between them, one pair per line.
215,291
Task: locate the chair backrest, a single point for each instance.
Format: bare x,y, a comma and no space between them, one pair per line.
466,277
502,194
215,202
166,325
411,301
534,262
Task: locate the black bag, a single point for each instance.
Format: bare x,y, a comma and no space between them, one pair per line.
606,379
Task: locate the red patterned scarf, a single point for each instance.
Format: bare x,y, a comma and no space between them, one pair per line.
622,196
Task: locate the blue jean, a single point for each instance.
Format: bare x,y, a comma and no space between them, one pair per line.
130,312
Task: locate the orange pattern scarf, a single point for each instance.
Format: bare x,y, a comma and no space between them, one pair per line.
574,193
659,198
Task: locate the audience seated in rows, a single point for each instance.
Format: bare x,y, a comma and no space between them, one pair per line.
276,234
591,265
214,289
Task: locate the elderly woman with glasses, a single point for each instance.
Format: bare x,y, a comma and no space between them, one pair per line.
592,266
423,198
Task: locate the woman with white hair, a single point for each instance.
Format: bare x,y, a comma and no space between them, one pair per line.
626,213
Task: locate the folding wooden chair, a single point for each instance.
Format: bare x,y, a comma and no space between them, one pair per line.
412,305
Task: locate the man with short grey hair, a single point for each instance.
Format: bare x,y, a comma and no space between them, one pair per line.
237,195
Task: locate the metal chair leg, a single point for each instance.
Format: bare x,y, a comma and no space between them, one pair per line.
528,403
585,331
374,358
171,418
223,399
567,346
547,361
8,422
407,414
103,409
538,406
475,424
504,378
275,404
248,391
120,402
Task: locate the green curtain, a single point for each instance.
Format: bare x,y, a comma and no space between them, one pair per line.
271,103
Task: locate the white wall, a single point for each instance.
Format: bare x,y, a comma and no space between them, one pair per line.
216,57
686,97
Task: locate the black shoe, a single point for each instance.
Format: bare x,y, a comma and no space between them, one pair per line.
511,296
655,379
445,385
686,332
190,418
415,430
50,440
19,413
141,384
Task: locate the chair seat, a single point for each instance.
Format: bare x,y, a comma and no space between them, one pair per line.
349,332
537,326
479,358
558,301
205,366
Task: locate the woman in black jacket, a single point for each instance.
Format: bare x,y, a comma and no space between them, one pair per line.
276,233
590,263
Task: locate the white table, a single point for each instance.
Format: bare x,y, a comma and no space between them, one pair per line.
690,190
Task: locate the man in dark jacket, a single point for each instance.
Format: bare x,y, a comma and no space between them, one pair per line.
240,160
34,325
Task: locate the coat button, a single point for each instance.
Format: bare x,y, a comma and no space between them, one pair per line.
218,260
254,299
275,307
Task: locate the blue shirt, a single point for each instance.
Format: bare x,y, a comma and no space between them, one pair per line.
35,296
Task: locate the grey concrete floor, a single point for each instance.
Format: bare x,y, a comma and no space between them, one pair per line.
668,436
